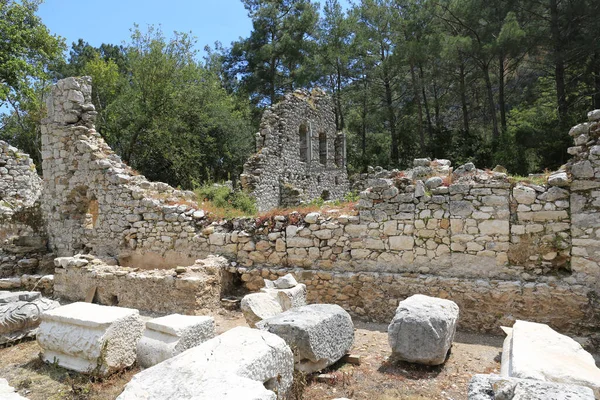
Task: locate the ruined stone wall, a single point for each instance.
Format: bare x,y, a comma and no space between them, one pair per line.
300,155
501,250
584,168
22,229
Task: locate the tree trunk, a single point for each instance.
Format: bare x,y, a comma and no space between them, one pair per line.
501,99
596,69
419,110
426,104
391,115
559,63
339,95
363,129
490,97
463,99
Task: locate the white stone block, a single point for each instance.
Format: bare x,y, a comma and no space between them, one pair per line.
168,336
289,298
536,351
258,306
7,392
90,338
241,364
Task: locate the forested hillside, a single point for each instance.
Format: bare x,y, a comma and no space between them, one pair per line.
493,82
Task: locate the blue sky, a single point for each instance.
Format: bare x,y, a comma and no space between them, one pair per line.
109,21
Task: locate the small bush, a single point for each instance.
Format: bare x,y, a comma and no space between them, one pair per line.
223,197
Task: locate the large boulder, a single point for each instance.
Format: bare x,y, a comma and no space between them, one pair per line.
20,314
536,351
494,387
168,336
319,334
90,338
258,306
423,329
241,364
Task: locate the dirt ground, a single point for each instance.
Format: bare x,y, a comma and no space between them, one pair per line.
376,378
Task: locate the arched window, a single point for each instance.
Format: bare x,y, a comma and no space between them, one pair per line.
303,138
323,148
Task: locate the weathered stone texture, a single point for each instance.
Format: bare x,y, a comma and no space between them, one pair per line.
300,155
90,338
20,314
191,290
242,363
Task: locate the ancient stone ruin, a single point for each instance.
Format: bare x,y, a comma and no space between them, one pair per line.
300,155
500,250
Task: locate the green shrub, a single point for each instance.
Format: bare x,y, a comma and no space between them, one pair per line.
222,196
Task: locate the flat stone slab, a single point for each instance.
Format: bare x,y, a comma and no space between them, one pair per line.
90,338
168,336
319,334
240,364
536,351
20,314
492,387
423,329
258,306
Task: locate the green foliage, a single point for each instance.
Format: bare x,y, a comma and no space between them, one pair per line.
222,196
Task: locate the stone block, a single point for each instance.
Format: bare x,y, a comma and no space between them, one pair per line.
524,194
494,227
20,314
242,363
536,351
168,336
401,242
289,298
492,387
285,282
319,334
258,306
90,338
423,329
7,392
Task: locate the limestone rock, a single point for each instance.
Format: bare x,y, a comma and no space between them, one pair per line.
240,364
258,306
524,194
312,218
559,179
289,298
285,282
90,338
168,336
433,182
494,387
423,329
319,334
20,314
7,392
536,351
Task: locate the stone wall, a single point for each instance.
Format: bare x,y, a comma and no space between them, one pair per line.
22,229
502,250
192,290
300,155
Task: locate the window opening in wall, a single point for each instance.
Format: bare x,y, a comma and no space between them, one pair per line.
323,148
338,145
303,137
337,180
